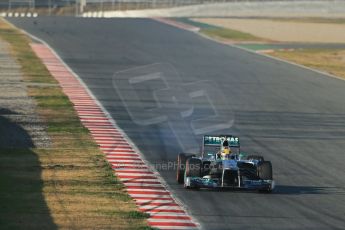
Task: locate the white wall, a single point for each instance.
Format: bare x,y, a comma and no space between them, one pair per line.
307,8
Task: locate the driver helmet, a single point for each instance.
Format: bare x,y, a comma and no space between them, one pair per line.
226,151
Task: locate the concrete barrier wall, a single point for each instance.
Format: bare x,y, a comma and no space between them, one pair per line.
307,8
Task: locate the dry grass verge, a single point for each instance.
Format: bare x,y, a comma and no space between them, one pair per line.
69,185
283,31
331,61
310,19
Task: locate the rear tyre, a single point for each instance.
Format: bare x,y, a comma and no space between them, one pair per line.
206,168
181,166
193,167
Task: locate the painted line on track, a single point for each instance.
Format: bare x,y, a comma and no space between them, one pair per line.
141,183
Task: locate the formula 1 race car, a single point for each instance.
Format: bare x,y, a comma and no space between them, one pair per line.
222,165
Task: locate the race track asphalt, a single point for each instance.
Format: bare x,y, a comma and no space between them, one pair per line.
165,87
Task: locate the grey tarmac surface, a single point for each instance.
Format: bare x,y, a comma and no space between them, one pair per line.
293,116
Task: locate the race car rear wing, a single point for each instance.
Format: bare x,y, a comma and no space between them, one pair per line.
218,140
212,144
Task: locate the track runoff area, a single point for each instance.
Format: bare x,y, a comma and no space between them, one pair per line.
141,183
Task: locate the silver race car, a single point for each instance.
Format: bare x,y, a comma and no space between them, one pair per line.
222,165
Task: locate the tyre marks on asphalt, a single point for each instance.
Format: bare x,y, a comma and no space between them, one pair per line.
141,183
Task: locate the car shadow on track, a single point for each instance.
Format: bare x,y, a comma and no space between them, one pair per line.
299,190
283,190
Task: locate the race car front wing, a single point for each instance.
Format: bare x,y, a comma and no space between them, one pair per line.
198,182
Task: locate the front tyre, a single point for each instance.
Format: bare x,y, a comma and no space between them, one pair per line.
265,172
